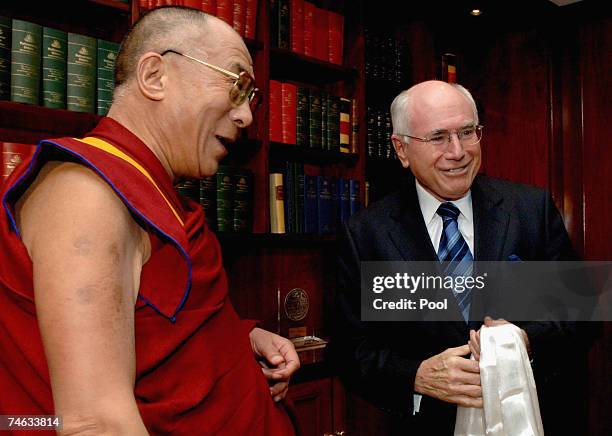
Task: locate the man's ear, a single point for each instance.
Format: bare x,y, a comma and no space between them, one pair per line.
151,76
400,149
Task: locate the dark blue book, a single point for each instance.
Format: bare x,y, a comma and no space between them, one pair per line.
334,210
324,204
299,190
311,210
289,182
344,207
354,196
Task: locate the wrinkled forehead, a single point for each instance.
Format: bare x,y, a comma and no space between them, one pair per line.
223,46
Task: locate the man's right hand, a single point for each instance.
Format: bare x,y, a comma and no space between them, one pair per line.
450,377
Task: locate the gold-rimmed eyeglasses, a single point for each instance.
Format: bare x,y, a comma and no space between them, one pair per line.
468,135
243,88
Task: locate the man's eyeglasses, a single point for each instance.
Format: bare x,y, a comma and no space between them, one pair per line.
243,88
469,135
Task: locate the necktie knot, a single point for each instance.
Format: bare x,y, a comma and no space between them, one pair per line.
448,211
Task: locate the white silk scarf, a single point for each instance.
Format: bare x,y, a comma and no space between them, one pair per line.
510,399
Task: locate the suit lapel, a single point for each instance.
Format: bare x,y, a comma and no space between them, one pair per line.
490,221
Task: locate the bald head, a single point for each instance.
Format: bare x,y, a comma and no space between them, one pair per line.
161,29
421,98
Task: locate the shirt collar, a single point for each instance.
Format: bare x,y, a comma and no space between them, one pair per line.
429,204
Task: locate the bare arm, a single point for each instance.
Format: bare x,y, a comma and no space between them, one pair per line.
87,255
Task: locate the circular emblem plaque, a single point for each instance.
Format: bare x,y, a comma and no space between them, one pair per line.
296,304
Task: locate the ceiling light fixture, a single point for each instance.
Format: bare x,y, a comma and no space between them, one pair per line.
476,12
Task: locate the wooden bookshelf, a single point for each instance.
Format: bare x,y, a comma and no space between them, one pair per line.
280,151
287,65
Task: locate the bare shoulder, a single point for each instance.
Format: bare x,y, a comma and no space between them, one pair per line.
70,200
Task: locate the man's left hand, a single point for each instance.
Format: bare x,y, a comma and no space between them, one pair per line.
474,341
278,359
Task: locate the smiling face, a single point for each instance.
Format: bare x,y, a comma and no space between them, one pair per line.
446,171
206,120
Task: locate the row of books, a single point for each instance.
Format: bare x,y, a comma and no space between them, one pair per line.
12,155
387,59
240,14
305,204
379,145
309,117
226,198
42,65
304,28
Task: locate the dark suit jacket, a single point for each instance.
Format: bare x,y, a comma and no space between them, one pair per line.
380,360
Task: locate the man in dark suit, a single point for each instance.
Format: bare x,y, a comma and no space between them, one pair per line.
420,371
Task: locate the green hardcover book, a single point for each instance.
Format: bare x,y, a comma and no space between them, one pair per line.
301,125
314,117
81,89
54,52
225,201
5,58
208,200
333,123
107,55
324,98
189,189
243,185
25,62
284,24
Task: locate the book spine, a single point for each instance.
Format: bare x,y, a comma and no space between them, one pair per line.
299,188
289,197
302,123
5,58
208,200
354,196
276,107
336,38
81,89
225,10
225,200
243,185
239,18
189,189
297,26
107,56
288,113
354,126
13,154
251,19
314,117
324,107
310,205
284,24
321,36
209,6
25,62
344,206
277,213
345,124
193,4
333,123
334,210
309,29
324,199
143,5
54,55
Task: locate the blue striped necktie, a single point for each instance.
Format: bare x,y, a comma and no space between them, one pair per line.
454,249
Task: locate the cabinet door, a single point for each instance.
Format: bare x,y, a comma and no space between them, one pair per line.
313,406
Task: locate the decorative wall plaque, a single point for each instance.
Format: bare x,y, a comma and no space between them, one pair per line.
296,304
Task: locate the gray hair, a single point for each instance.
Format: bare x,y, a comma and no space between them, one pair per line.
156,31
402,105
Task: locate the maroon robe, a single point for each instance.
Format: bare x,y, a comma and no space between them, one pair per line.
195,369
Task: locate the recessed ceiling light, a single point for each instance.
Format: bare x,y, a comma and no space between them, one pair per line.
476,12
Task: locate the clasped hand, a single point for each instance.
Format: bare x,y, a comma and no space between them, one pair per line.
451,376
278,359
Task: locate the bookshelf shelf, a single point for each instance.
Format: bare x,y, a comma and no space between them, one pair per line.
280,151
29,123
113,4
253,45
286,65
276,240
